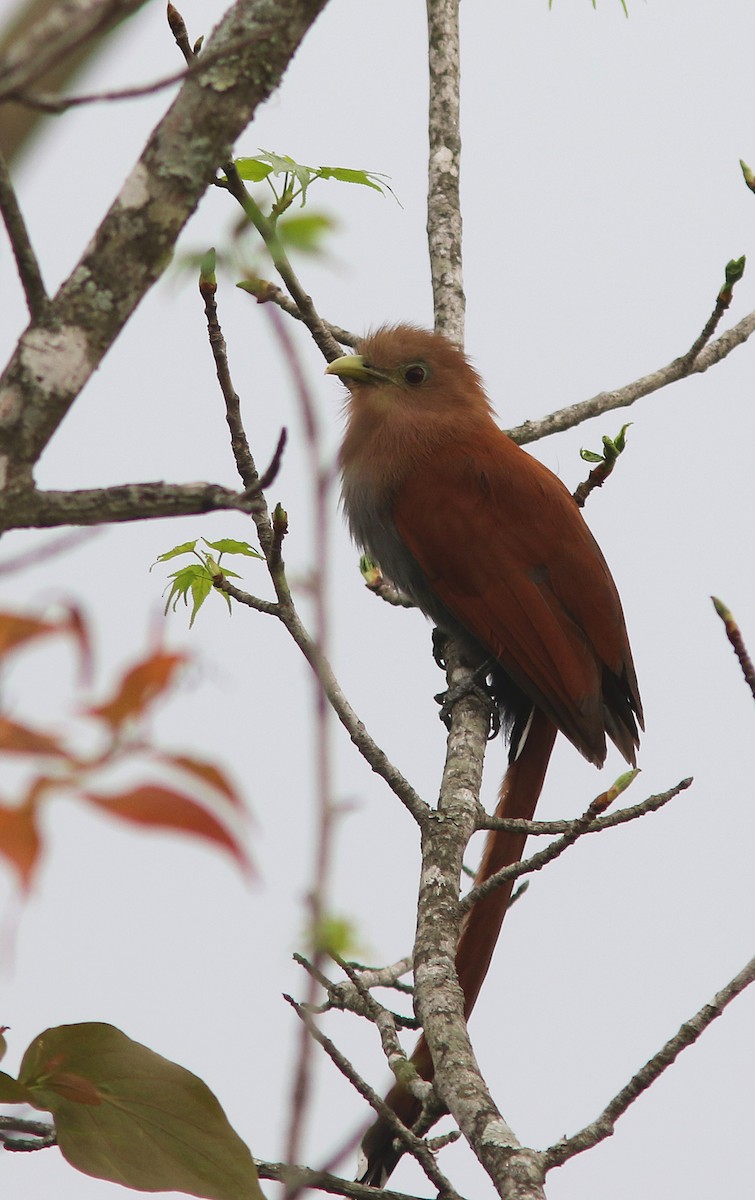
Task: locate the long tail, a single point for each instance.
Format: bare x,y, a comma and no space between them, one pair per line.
520,792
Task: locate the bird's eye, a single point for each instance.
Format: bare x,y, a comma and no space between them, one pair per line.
415,374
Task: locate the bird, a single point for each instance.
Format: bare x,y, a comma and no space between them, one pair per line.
494,550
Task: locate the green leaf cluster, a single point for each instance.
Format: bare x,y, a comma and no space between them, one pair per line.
197,579
612,448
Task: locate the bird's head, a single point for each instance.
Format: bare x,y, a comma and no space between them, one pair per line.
404,367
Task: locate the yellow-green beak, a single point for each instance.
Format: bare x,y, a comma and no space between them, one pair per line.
352,366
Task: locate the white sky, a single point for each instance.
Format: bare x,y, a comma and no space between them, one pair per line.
602,198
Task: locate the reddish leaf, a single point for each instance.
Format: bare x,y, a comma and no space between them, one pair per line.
15,630
75,624
166,809
153,1126
139,687
208,773
70,1086
19,839
19,739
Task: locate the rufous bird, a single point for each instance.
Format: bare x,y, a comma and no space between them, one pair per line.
492,547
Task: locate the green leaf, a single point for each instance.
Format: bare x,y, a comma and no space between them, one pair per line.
207,265
230,546
184,548
334,935
370,179
126,1114
748,174
253,169
305,231
13,1092
735,269
182,584
590,456
201,586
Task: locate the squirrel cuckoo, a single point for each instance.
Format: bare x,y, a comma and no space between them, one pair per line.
491,546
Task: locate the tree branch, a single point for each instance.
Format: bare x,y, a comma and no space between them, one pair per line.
23,251
603,1126
55,357
603,402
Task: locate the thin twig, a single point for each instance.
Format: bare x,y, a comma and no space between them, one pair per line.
536,862
48,550
266,229
26,260
734,272
245,464
734,634
381,1017
269,293
608,821
321,1181
414,1145
690,1031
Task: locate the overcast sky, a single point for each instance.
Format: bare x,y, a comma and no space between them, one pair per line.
602,198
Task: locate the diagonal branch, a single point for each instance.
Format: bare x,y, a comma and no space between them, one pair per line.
603,1126
603,402
23,251
55,357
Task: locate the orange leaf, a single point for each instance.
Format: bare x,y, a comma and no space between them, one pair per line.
166,809
207,772
19,840
19,739
74,623
15,630
138,688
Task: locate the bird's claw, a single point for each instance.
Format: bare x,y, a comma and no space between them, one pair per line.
476,686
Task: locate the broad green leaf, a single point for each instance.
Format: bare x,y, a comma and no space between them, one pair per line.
253,169
13,1092
124,1113
230,546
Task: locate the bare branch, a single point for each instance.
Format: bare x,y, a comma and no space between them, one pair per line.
66,28
54,358
526,866
609,821
23,251
31,509
443,206
239,442
370,751
414,1145
320,332
603,402
48,549
321,1181
269,293
690,1031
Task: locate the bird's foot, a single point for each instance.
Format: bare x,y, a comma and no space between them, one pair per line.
476,686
